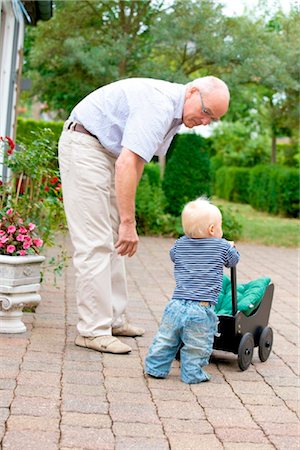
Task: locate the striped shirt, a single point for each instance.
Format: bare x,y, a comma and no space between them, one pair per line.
141,114
198,267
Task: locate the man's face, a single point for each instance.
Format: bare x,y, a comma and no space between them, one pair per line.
199,110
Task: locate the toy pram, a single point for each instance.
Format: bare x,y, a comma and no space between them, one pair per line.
246,325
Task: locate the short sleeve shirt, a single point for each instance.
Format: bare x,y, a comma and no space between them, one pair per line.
141,114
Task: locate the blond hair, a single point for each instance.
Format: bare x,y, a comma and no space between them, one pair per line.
197,216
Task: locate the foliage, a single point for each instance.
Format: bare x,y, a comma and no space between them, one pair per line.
241,144
29,129
17,236
34,189
187,173
232,183
150,204
262,228
275,189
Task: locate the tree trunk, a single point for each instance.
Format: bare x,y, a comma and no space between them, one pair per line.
273,155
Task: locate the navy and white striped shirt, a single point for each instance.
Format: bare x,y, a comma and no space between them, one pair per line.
198,267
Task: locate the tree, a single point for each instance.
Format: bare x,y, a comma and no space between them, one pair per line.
85,47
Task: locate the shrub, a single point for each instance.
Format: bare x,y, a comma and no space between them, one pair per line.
275,189
29,129
232,183
187,173
150,204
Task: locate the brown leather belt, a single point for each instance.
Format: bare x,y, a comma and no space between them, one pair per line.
80,128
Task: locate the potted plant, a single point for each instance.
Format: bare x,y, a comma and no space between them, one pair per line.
19,269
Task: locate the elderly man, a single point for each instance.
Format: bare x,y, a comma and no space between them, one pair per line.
104,145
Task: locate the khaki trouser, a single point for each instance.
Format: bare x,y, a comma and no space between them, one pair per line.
87,175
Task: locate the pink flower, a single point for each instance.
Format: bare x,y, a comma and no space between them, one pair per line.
22,230
20,237
10,248
9,211
38,242
26,245
2,232
31,226
3,239
11,229
27,239
22,252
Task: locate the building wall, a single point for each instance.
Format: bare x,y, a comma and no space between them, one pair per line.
12,27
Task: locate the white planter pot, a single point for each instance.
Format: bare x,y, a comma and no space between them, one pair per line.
19,286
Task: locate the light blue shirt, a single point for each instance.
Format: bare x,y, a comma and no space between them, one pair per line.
198,267
141,114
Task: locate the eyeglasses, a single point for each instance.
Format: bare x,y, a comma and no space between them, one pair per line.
206,111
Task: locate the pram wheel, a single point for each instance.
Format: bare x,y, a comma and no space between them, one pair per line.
265,344
245,351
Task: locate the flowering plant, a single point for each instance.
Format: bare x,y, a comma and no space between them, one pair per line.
7,144
17,236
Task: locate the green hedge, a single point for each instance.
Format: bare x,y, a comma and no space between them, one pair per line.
232,183
270,188
275,189
187,173
27,129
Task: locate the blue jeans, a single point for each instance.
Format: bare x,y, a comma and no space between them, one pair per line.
188,324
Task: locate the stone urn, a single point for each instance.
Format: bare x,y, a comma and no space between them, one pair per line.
19,287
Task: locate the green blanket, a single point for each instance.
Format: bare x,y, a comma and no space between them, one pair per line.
249,296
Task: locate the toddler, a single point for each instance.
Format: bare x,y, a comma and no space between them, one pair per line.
189,322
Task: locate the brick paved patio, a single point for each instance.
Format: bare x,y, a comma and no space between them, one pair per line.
54,395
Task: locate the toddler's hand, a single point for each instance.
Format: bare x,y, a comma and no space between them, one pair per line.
232,243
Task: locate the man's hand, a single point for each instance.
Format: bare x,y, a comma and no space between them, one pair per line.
128,239
129,169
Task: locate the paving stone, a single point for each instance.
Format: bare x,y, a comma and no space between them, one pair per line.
136,429
281,429
220,402
29,390
18,423
81,404
129,397
238,434
180,441
35,406
30,440
253,399
87,438
39,378
86,420
7,384
128,412
186,426
165,394
180,410
250,446
275,414
285,442
6,397
138,443
82,377
84,390
4,413
117,384
221,417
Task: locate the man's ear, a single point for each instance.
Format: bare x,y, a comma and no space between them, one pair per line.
191,90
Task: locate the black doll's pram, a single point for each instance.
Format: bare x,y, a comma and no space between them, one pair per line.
246,325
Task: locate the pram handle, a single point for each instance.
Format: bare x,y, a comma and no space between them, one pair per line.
233,290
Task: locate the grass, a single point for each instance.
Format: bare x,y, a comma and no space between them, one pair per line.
262,228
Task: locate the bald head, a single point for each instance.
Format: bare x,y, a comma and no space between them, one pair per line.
206,100
215,91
